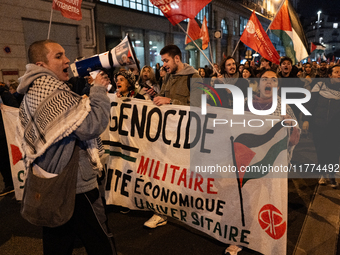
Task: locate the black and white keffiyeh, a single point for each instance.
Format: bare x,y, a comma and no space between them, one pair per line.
49,112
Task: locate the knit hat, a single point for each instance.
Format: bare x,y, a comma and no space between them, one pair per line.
127,75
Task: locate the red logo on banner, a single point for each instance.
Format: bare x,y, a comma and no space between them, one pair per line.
16,154
70,9
271,220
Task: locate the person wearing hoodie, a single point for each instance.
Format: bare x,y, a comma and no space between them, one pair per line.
176,87
62,120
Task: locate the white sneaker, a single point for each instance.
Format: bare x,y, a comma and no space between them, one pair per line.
233,249
155,221
323,181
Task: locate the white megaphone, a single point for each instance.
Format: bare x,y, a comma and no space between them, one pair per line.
121,55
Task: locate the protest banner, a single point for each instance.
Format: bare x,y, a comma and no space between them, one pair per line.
219,173
176,162
9,116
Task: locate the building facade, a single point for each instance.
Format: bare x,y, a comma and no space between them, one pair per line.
105,22
325,30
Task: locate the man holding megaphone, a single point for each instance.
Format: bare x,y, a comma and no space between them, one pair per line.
56,123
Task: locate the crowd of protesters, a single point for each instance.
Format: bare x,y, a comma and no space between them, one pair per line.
170,84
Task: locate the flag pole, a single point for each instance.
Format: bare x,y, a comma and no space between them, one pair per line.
238,180
266,30
197,47
49,27
211,56
236,47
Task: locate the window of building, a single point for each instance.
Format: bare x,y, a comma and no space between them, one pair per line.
235,27
243,24
139,5
179,39
335,25
224,26
205,11
156,43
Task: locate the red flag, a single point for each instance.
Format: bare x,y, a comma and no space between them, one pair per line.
205,34
193,30
333,58
256,38
70,9
178,10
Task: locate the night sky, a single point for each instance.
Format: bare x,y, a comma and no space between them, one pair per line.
308,8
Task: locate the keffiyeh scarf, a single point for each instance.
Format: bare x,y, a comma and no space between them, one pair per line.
50,112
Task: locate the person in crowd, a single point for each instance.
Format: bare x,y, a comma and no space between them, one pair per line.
315,66
263,101
208,71
157,71
299,73
176,90
247,64
12,88
264,65
240,69
7,98
229,75
248,74
125,82
147,80
216,70
162,74
202,73
73,121
324,106
286,66
308,71
322,70
308,75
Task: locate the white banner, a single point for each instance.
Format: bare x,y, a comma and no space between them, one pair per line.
9,116
154,161
156,164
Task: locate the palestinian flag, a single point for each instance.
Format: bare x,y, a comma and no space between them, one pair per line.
258,151
318,48
194,31
286,25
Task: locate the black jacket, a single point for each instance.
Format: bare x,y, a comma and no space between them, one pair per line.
324,105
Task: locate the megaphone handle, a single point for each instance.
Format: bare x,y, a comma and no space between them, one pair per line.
110,59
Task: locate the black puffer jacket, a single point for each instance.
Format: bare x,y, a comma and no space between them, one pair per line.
324,105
